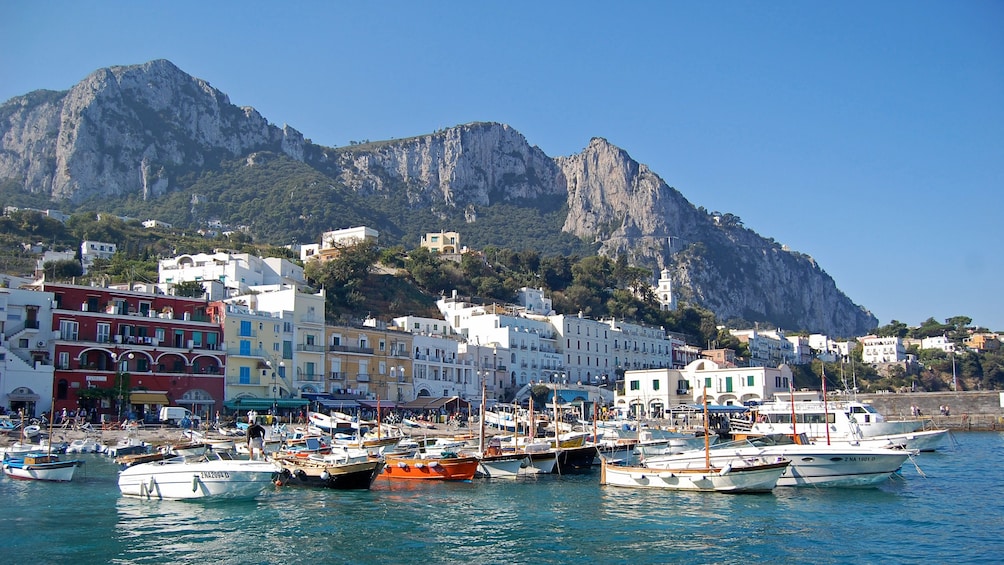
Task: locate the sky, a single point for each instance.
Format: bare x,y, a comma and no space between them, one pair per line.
869,135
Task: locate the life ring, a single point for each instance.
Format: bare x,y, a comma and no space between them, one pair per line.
32,431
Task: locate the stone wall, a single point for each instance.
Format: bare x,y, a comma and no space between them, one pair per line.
967,409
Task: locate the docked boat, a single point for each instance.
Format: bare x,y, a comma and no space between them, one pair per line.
39,467
341,469
734,478
812,464
545,459
841,420
448,467
211,475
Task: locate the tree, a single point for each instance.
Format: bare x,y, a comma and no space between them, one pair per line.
62,270
190,289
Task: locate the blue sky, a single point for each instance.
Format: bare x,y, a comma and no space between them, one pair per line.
869,135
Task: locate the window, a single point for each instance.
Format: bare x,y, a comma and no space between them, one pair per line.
103,331
245,329
68,330
244,347
245,375
64,360
749,380
655,384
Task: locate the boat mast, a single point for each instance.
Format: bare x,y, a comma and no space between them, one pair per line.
707,425
826,411
482,439
791,394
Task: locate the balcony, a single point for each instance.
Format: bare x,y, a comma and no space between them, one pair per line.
336,376
310,348
362,378
310,377
350,349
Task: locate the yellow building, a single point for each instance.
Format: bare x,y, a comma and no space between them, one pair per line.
444,242
369,361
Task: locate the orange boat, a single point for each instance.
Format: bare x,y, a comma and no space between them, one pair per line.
431,468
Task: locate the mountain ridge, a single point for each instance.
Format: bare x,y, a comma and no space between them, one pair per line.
150,133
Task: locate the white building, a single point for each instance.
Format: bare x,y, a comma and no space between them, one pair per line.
651,393
91,250
332,241
237,272
436,369
767,348
664,291
156,224
26,369
937,342
882,349
736,385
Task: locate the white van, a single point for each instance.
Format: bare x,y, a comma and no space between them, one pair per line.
173,415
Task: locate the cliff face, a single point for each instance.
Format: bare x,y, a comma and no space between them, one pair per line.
131,130
126,130
472,164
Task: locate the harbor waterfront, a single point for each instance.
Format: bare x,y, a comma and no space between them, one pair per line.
942,507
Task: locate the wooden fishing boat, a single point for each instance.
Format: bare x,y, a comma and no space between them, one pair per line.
337,470
448,467
749,478
40,467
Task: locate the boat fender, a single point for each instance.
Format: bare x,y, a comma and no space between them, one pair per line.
638,476
420,465
195,483
435,464
300,474
666,475
151,486
325,475
402,465
725,470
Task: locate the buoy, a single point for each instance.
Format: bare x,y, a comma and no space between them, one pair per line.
435,464
325,475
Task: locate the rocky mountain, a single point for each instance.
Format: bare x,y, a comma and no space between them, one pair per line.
148,130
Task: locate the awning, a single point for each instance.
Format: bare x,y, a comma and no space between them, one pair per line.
340,405
265,403
430,403
384,404
148,398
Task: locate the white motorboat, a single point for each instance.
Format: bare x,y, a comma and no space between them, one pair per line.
813,414
39,467
812,464
740,476
85,445
211,475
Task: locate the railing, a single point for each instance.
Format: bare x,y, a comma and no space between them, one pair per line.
336,376
310,348
310,377
351,349
363,378
254,381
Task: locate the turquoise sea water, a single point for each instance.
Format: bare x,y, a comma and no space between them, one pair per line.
949,508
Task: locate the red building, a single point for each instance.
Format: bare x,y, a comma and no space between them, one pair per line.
119,351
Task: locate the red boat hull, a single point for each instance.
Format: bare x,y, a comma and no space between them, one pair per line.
446,469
